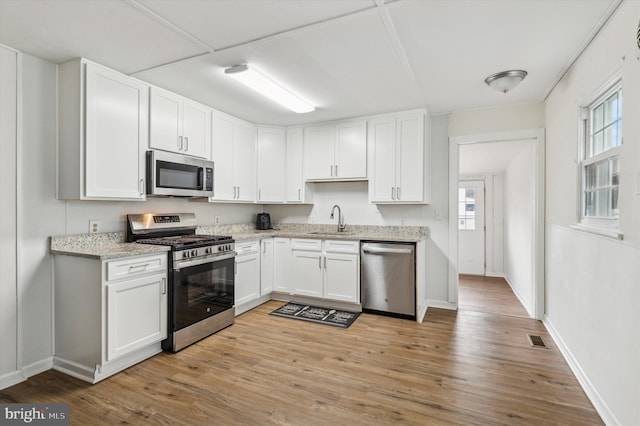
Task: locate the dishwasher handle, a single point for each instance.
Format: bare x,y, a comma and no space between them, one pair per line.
379,250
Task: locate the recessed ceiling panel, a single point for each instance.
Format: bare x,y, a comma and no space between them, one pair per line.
109,32
224,23
454,45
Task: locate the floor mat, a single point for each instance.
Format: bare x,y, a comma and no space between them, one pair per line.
335,317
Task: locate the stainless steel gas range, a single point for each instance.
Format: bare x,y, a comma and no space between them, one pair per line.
201,275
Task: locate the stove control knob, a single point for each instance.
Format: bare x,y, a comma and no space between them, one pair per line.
194,252
185,254
220,248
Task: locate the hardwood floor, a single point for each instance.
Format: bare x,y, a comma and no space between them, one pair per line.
462,367
488,294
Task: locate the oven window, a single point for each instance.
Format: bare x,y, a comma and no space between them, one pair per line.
202,291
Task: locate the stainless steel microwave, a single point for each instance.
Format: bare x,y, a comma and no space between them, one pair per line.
175,175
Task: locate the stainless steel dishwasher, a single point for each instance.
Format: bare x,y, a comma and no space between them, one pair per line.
388,278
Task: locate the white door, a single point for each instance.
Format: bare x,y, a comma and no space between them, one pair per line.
196,129
307,273
282,265
166,116
382,159
471,227
247,284
222,157
410,158
271,164
266,266
244,161
341,277
351,150
319,142
295,159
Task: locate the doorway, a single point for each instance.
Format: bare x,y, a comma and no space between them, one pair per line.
513,248
471,227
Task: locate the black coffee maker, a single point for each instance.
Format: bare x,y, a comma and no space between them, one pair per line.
263,221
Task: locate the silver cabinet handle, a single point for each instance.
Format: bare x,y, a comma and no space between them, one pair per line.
141,186
398,192
299,196
186,143
325,262
264,247
259,194
331,170
393,193
320,262
140,266
164,286
179,143
238,192
336,170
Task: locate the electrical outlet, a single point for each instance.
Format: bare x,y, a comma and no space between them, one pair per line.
216,220
94,226
436,215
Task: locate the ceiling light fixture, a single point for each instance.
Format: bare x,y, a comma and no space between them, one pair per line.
505,80
267,87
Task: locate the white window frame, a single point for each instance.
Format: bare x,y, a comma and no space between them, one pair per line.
608,226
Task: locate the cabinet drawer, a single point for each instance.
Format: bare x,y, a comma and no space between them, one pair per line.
304,244
341,246
248,247
136,266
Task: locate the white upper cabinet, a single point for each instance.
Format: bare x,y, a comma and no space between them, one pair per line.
179,124
233,151
271,164
336,151
103,133
399,159
297,191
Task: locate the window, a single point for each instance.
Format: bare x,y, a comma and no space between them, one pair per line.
467,209
602,142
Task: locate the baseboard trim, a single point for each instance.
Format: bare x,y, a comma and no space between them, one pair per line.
252,304
432,303
38,367
495,274
520,299
594,396
74,369
10,379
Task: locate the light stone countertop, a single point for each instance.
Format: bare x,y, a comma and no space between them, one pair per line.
321,231
112,245
102,246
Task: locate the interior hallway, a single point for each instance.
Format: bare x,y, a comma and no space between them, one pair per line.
488,294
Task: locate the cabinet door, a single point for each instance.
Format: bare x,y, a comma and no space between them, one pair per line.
351,150
282,265
136,314
222,157
196,129
410,158
266,266
342,277
295,178
247,284
382,159
306,273
116,134
244,161
271,164
319,162
166,121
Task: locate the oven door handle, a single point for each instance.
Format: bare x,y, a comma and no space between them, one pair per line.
209,259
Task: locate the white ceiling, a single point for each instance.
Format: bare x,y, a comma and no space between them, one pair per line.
489,158
348,57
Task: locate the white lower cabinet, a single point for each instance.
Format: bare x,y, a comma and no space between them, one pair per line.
282,265
247,282
109,314
266,266
327,269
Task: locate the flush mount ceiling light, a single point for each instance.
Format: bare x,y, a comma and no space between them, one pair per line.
505,80
267,87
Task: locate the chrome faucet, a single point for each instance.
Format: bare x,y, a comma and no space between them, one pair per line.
341,224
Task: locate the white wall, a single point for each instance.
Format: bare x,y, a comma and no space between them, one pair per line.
592,282
500,119
354,202
9,61
519,220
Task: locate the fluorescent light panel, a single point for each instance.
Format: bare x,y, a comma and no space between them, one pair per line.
266,87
